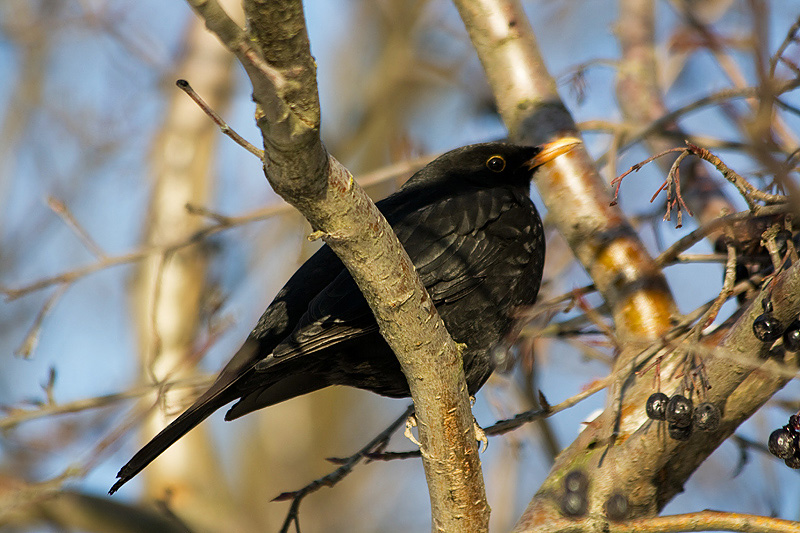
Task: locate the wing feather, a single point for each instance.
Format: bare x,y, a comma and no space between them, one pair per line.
448,245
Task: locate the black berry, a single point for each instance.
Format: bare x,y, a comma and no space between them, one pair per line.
656,406
706,417
574,504
782,443
576,481
679,433
792,462
679,411
794,422
767,328
791,337
616,507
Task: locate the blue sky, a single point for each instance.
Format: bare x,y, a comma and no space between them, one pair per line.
102,99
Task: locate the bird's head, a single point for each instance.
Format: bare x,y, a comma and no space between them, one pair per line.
492,164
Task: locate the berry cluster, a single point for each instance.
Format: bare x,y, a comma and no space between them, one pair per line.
784,442
681,415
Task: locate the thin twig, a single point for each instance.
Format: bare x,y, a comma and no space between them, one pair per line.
60,209
768,242
28,345
749,192
156,342
222,222
791,36
223,126
673,186
725,293
16,416
711,99
701,258
687,241
616,182
617,129
337,475
504,426
746,189
590,352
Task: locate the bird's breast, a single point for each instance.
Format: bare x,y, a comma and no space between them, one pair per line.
487,267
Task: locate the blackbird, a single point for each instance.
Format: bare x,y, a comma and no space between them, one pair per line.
476,240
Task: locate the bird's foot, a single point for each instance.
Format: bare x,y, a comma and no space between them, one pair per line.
411,422
480,435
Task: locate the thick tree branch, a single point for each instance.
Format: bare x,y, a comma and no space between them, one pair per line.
707,521
630,281
276,56
699,521
641,101
575,194
743,377
578,199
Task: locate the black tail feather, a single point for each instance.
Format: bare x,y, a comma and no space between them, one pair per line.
179,427
222,392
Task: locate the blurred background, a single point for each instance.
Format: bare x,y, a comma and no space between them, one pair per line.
115,317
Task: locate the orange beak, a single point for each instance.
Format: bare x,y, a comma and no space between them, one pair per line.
552,150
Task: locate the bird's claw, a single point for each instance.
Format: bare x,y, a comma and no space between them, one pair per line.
411,422
480,435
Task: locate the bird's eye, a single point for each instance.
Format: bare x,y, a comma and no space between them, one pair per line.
496,163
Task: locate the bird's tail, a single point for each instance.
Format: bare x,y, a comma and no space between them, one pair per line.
222,392
199,411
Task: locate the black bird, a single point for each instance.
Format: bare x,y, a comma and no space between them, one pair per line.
469,226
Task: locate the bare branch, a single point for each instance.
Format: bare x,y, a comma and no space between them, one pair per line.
700,521
223,126
62,211
275,52
707,521
223,222
16,416
376,445
28,345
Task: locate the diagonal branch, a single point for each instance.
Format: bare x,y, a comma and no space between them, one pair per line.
577,197
633,287
275,53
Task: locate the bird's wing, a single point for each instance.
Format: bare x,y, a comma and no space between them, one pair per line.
338,313
445,240
276,322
